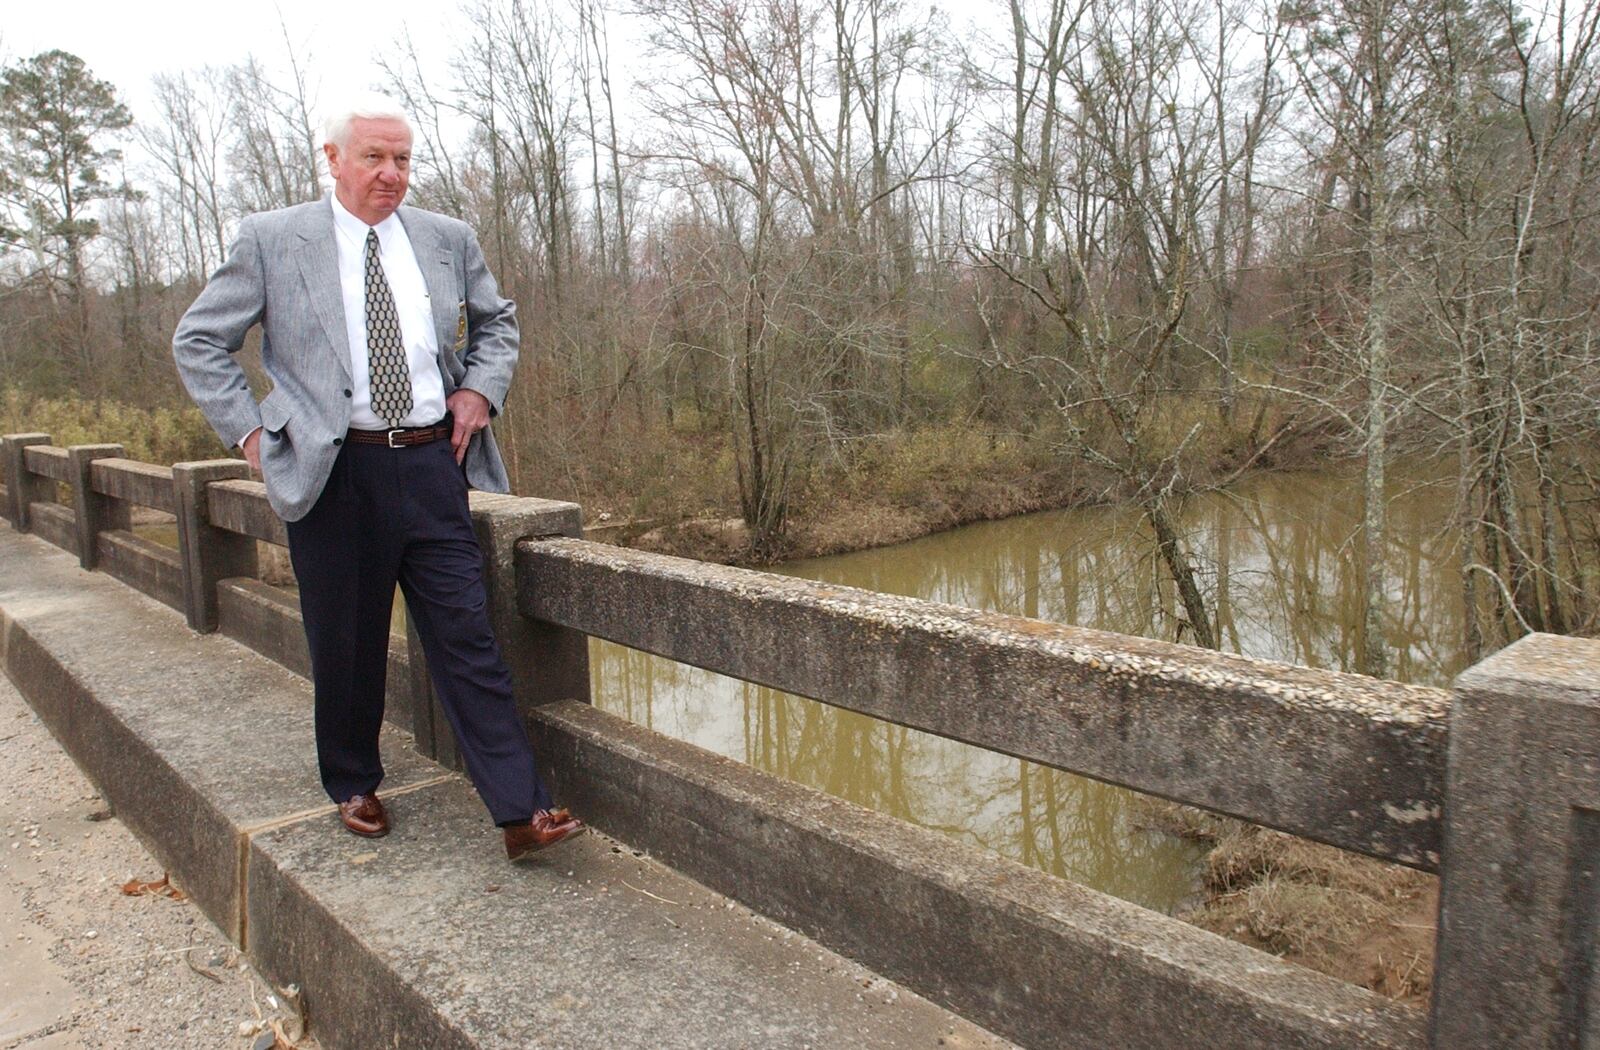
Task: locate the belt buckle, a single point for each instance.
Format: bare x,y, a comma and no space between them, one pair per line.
389,437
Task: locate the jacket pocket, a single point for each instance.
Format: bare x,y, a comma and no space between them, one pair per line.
276,411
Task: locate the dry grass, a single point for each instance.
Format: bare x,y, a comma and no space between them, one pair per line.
910,483
894,487
715,539
1361,920
161,435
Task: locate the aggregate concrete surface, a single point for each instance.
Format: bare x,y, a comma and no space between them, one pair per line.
81,964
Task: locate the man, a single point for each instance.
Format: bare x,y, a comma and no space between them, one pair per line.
389,348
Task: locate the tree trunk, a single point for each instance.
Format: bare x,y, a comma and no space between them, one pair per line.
1176,557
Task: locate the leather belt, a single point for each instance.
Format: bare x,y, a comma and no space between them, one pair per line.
400,437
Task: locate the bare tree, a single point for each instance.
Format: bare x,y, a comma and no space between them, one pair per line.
436,171
1118,263
1365,86
519,81
278,164
190,142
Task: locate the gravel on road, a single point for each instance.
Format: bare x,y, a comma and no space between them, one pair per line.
84,965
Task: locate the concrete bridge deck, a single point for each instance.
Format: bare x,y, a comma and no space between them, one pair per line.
427,937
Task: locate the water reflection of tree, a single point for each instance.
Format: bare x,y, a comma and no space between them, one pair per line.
843,753
653,692
1082,830
1064,824
1305,571
1278,565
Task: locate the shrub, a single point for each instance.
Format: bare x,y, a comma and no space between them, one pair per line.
154,435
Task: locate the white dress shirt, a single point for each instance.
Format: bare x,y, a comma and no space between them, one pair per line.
413,306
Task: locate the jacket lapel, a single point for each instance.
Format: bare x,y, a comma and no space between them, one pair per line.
319,268
438,265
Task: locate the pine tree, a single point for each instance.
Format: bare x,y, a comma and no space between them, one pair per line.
54,118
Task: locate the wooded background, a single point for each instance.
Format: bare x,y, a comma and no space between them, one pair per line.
807,255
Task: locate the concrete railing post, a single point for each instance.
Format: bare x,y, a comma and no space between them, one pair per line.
548,663
1519,909
22,485
209,554
95,513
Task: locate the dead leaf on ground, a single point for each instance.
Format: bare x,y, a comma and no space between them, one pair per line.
206,972
161,887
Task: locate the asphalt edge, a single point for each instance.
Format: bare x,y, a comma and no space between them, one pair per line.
132,777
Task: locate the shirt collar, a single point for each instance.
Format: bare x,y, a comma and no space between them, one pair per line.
356,230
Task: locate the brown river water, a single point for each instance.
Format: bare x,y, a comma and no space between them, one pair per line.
1280,559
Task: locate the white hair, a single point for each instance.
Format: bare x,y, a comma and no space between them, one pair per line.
369,105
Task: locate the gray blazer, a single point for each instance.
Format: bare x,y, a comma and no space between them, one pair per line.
283,273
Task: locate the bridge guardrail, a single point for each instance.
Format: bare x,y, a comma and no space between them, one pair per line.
96,523
221,514
28,489
1494,784
106,487
1355,762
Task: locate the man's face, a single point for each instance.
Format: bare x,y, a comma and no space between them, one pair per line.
371,171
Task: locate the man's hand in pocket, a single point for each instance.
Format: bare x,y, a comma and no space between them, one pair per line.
471,412
251,447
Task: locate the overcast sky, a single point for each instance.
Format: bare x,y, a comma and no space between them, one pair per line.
338,40
168,36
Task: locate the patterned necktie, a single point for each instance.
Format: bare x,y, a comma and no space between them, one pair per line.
387,371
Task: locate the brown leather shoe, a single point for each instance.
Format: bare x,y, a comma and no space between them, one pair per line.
545,830
364,815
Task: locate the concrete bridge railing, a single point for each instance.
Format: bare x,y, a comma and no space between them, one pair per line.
1495,784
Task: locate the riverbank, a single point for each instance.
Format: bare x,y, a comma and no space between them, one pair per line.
861,523
1361,920
895,487
906,484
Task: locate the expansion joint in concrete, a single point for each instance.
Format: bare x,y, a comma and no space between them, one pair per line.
275,823
248,833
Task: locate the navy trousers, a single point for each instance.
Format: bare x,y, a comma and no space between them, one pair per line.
391,515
